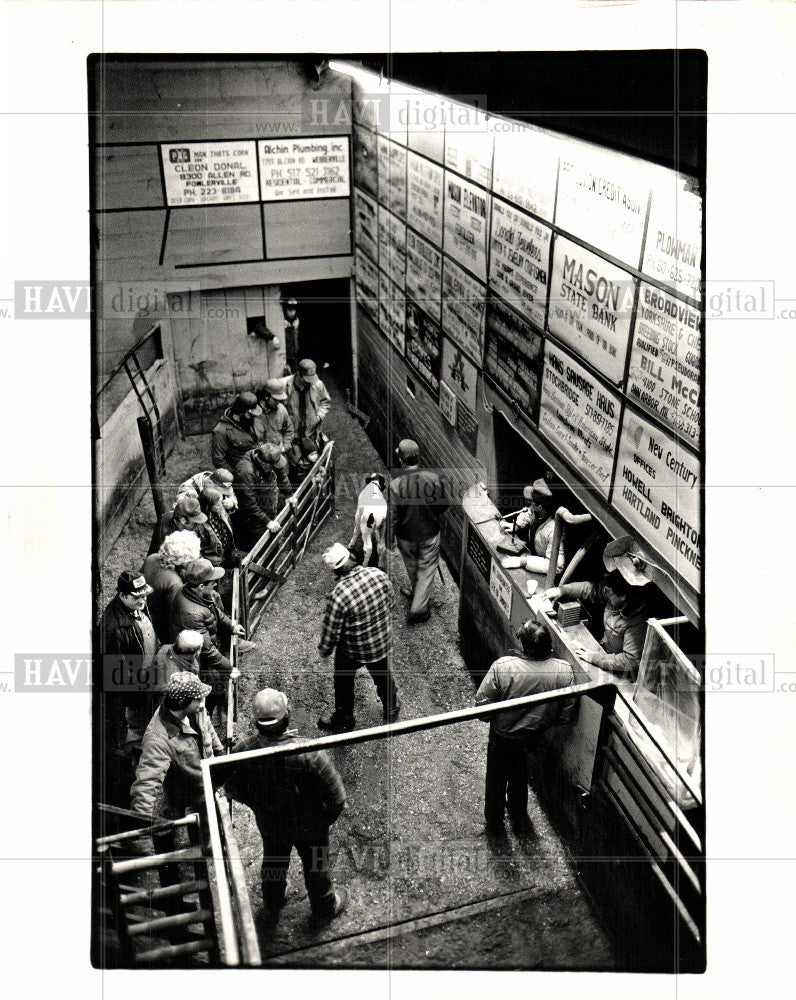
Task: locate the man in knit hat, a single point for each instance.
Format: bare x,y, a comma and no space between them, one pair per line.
295,798
168,779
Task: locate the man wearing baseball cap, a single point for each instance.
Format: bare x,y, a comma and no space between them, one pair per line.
536,523
257,486
168,779
357,626
198,607
237,431
417,501
277,424
128,645
218,479
186,516
531,669
308,401
295,798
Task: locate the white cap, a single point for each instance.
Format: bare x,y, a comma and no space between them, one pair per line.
337,556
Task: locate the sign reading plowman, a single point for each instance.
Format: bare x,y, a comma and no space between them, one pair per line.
657,490
209,173
304,168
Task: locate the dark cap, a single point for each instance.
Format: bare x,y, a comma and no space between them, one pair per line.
210,496
272,454
188,506
222,480
246,402
407,450
308,370
132,583
201,571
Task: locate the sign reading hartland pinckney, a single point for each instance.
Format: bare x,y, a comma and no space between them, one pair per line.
209,173
304,168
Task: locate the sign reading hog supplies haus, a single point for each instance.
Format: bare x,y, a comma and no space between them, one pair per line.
209,173
424,197
657,490
602,199
579,416
424,273
304,168
664,374
519,260
463,307
466,222
591,306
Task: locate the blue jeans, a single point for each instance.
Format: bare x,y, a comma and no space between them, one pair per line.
421,560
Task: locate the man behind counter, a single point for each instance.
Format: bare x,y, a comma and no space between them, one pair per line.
623,593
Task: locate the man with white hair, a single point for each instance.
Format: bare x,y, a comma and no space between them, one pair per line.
295,798
179,656
164,572
357,625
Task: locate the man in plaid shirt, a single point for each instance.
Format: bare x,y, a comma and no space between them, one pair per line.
358,626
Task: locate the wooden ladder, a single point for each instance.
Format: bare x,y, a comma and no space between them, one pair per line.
146,398
159,905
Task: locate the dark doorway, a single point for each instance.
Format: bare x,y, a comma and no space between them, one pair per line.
325,326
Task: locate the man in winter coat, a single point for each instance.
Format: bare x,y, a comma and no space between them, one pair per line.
295,798
163,572
257,490
237,431
168,779
276,421
308,401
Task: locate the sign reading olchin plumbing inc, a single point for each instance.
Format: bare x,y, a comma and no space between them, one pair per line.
579,416
657,490
304,168
209,173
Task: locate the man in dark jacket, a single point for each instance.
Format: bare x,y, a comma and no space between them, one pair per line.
186,516
257,490
128,645
237,431
416,504
198,607
295,798
162,571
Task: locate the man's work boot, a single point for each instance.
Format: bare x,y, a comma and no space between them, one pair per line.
336,722
340,903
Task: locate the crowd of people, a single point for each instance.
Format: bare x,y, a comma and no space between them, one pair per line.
172,618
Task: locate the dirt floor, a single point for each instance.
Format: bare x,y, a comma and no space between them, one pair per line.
411,842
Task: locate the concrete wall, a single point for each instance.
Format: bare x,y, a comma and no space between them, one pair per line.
120,476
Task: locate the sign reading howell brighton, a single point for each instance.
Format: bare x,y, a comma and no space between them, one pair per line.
304,168
657,491
209,173
580,417
591,306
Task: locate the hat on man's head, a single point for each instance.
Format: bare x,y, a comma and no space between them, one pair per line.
336,556
188,506
201,571
269,707
538,491
291,303
272,454
132,583
275,388
210,496
246,402
183,688
222,480
630,558
308,370
407,450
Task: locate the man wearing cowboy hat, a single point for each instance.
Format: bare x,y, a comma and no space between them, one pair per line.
295,798
535,523
623,594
